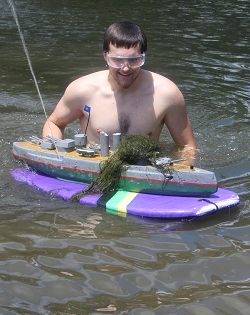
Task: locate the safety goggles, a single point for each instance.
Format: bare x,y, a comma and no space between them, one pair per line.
120,61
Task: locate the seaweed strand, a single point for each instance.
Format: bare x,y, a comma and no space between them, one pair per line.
129,151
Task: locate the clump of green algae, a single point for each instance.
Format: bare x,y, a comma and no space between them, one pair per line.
131,149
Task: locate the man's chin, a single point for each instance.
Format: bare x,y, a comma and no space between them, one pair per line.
125,81
125,85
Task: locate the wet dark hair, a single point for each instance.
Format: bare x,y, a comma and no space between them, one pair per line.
124,34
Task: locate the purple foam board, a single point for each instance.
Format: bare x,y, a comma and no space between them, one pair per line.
154,206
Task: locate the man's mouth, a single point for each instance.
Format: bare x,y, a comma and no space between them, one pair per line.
124,74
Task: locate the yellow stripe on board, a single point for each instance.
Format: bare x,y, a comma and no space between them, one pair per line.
122,205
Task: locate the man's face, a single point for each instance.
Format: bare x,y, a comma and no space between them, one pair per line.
126,75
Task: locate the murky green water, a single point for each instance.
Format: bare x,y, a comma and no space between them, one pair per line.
61,258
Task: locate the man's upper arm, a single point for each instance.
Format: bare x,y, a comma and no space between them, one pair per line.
69,107
177,120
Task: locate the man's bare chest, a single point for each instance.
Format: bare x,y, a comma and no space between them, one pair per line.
134,117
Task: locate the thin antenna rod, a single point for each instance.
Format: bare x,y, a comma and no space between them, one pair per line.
30,65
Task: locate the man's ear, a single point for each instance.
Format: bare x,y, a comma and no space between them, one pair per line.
104,55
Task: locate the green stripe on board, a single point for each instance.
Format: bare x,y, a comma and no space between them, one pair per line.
112,203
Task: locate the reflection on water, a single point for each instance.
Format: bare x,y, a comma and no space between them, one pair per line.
62,258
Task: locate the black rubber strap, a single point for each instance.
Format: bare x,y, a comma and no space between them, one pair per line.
209,201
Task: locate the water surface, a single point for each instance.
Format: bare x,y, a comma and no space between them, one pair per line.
62,258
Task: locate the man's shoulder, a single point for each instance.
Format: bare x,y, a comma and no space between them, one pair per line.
92,78
160,79
161,83
88,83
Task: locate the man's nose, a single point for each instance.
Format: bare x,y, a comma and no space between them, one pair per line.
125,65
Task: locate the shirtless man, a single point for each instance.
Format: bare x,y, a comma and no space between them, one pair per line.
123,98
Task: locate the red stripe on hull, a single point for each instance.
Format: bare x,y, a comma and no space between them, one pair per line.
135,178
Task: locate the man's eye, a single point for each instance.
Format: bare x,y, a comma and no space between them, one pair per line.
116,60
133,61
